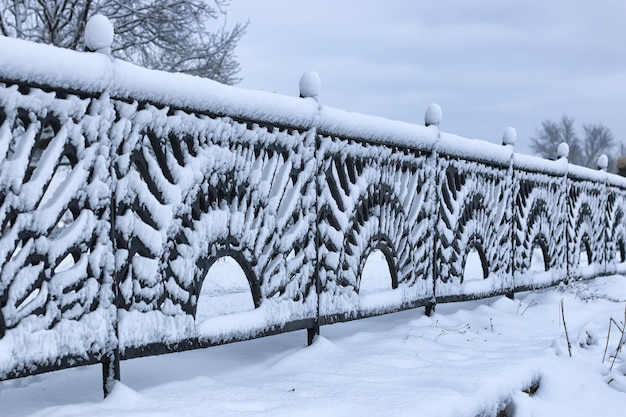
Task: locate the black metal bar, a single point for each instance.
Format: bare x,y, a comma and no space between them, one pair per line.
111,359
62,362
314,330
110,370
512,226
432,303
161,348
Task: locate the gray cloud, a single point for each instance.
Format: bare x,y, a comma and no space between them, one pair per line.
488,63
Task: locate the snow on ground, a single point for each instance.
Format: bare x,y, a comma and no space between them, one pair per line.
467,359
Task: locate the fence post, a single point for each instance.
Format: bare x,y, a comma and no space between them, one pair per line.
509,136
111,358
563,153
309,86
432,119
99,38
603,164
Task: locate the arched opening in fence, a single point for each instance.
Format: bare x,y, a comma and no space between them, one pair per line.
475,264
225,290
539,259
376,275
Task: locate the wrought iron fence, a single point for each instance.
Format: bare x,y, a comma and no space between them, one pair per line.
120,187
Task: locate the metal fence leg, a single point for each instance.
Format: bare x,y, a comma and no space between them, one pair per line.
110,370
429,309
311,332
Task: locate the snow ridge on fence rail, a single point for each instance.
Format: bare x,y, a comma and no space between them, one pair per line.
120,187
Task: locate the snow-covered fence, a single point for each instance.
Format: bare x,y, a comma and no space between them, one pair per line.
56,251
120,187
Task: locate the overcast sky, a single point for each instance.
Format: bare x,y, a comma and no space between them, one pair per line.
488,63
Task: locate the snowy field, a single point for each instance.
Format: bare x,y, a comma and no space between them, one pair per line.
468,359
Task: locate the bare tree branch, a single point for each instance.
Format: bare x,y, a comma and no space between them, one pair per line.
172,35
3,27
551,134
596,140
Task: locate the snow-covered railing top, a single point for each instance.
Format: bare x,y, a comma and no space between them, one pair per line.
121,187
96,73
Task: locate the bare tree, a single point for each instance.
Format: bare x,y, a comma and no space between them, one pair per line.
173,35
551,134
596,140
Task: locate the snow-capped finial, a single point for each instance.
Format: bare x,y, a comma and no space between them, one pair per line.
563,150
433,115
603,162
310,84
509,136
99,34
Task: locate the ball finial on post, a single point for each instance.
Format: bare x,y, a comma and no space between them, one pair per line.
99,34
563,150
433,115
603,162
509,136
310,85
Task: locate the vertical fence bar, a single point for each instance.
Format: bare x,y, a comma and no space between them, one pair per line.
508,139
563,153
603,163
316,286
309,87
432,119
99,38
111,360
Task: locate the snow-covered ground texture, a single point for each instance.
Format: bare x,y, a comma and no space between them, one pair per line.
468,359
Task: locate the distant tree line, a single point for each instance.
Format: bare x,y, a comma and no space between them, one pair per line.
171,35
585,146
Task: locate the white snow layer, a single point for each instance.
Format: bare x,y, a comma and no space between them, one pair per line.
468,359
